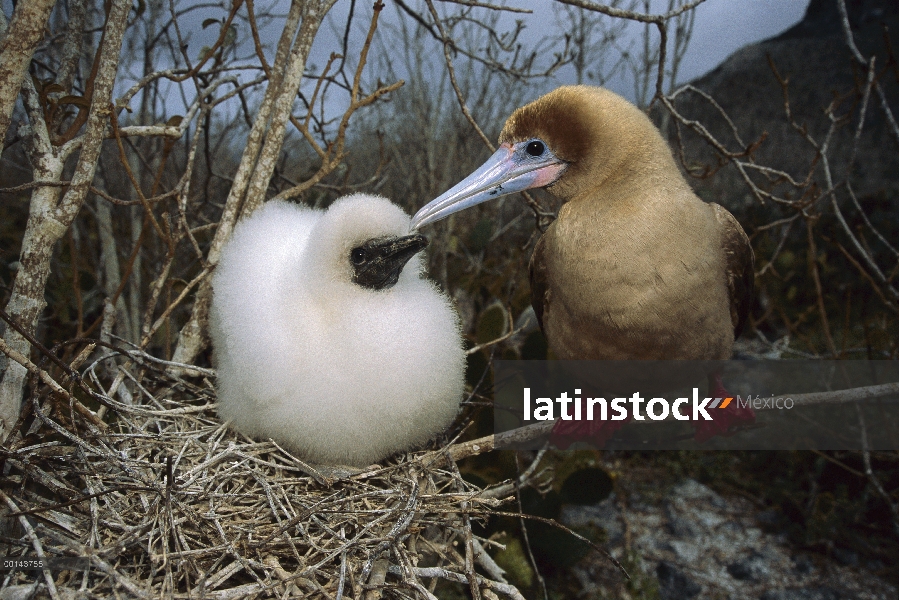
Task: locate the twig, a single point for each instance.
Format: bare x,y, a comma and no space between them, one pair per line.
872,478
500,7
631,15
524,532
503,338
48,380
429,572
35,542
813,267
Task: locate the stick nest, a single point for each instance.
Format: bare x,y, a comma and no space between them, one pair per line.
167,501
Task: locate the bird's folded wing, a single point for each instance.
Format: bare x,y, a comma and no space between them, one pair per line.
537,275
739,263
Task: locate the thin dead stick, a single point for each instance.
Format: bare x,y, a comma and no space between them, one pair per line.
619,13
524,533
467,537
158,323
557,525
35,542
501,440
512,332
511,9
525,479
430,572
813,267
843,396
47,379
872,478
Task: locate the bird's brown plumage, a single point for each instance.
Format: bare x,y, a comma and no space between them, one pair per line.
636,266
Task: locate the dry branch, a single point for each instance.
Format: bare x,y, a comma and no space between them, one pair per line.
26,30
49,221
257,161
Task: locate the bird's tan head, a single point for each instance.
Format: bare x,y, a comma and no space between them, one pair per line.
573,140
595,131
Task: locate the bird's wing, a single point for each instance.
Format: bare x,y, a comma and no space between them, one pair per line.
739,264
537,275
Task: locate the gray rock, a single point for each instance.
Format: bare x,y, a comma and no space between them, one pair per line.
680,524
803,565
674,583
808,593
690,489
845,557
750,568
814,56
604,515
770,517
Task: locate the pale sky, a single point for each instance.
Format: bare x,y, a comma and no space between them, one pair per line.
724,26
721,28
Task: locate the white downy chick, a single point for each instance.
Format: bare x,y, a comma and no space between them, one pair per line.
327,340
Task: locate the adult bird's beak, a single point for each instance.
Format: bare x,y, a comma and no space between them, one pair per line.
512,168
378,262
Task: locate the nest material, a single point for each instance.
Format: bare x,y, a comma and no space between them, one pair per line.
169,502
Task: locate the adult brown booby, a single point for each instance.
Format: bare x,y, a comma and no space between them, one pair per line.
636,266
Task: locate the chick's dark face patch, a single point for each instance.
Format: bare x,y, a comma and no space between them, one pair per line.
378,262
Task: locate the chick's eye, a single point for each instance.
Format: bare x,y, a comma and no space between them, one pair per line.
535,148
358,256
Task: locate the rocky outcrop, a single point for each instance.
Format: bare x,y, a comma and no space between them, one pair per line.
814,59
694,543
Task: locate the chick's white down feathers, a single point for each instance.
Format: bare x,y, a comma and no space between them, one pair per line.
336,372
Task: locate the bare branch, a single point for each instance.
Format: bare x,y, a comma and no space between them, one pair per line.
49,221
18,43
632,15
499,7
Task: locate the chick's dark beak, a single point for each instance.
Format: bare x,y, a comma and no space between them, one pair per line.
378,262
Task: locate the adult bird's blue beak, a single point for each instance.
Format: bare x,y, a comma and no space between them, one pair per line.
512,168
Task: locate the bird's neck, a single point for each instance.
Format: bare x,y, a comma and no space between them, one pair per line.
645,176
626,160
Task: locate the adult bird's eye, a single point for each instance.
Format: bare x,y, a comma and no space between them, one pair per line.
358,256
535,148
